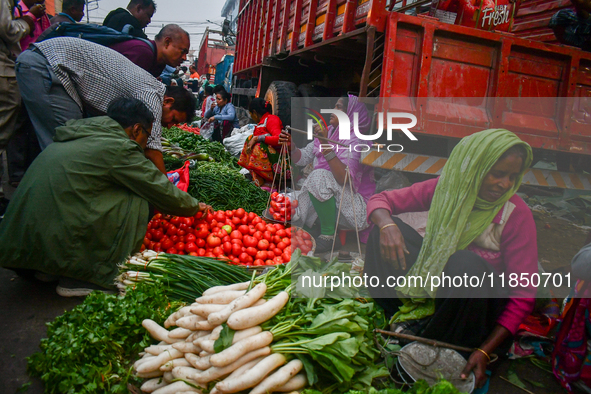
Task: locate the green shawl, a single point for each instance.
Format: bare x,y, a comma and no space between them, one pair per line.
457,215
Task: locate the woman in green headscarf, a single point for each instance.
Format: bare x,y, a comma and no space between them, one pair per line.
477,230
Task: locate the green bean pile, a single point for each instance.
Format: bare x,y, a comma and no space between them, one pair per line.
195,143
225,188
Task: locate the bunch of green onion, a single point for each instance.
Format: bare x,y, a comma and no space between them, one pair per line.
180,277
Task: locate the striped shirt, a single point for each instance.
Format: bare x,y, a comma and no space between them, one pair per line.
94,76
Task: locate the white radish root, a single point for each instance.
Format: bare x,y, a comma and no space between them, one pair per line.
256,315
157,332
298,382
204,310
215,333
249,332
253,376
204,354
196,335
278,378
184,372
141,361
214,373
219,289
157,349
201,363
152,385
176,387
239,303
186,347
240,348
158,361
177,362
195,323
224,297
179,333
244,368
171,321
207,345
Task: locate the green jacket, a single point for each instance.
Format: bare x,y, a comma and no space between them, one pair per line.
82,207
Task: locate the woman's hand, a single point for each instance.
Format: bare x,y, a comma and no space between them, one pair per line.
38,10
211,119
285,138
477,364
321,131
392,246
251,144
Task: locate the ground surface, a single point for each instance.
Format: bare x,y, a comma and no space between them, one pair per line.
26,306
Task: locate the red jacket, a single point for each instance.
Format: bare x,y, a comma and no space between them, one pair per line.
269,125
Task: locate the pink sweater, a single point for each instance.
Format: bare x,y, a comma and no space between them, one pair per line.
518,254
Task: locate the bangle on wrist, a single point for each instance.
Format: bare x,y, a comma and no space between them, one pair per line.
330,155
483,352
388,225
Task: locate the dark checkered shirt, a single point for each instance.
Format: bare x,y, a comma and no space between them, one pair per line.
94,75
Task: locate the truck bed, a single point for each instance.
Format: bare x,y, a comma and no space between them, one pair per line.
459,80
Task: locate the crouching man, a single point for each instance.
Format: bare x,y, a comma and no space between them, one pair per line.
82,207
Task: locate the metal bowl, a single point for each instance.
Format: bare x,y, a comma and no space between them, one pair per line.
419,361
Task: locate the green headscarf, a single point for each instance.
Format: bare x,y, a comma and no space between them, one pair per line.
457,215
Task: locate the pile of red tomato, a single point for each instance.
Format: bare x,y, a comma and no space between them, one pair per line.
282,208
194,130
237,236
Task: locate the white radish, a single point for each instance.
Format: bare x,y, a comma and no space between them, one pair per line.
244,368
214,373
168,377
240,348
152,385
298,382
253,376
249,332
141,361
215,333
157,332
157,349
204,354
171,321
201,363
256,315
197,334
204,310
195,323
207,345
179,333
184,373
177,362
224,297
158,361
239,303
186,347
149,375
278,378
219,289
260,302
175,387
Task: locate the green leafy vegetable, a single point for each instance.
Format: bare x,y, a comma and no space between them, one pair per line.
225,339
90,349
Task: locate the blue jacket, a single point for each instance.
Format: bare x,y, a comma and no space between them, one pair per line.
228,112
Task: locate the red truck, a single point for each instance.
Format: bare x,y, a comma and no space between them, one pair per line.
211,52
290,48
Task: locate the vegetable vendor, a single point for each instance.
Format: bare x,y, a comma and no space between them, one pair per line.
323,189
477,226
261,151
224,116
82,207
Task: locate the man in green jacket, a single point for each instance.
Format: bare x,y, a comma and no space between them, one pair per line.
82,207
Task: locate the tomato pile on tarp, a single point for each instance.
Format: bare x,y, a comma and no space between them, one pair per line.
237,236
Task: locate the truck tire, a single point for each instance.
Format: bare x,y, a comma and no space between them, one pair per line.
279,95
